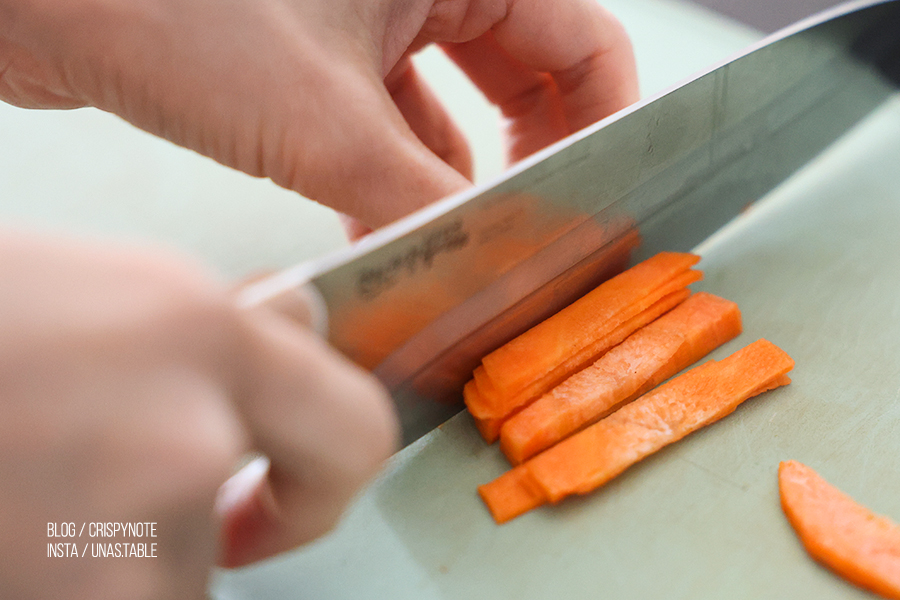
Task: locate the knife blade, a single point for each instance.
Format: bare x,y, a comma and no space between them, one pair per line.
421,301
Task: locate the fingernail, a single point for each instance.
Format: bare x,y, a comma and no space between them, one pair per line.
242,485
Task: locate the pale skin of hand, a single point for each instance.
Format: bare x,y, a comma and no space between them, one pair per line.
320,96
130,386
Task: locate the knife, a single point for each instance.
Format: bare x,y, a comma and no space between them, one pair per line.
420,301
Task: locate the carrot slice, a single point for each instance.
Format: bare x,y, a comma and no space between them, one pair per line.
846,537
551,342
485,401
644,311
491,413
648,357
511,495
489,428
493,402
588,459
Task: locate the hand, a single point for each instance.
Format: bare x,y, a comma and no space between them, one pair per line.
130,385
320,95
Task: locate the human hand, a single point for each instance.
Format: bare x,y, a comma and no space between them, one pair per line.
320,95
130,385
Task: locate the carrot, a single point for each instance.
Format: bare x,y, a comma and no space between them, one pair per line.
525,368
588,459
648,357
552,341
491,408
602,345
489,428
491,400
846,537
511,495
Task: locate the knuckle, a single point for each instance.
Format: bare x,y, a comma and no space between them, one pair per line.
460,21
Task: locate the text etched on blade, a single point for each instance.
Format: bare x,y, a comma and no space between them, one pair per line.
374,281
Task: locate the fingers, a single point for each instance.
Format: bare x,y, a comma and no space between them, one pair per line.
326,427
552,68
415,167
300,304
249,515
529,99
582,46
365,160
427,118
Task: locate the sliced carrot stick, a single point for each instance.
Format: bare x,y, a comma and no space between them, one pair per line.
588,459
648,357
846,537
511,495
492,409
491,402
516,364
670,295
489,428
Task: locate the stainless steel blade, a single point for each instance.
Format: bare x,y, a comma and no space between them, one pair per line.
421,301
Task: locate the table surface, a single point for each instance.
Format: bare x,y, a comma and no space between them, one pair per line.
813,266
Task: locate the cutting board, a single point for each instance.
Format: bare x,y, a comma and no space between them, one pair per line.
815,268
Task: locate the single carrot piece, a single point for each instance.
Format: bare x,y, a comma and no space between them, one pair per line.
487,425
693,400
648,357
489,428
485,401
512,495
846,537
549,343
585,461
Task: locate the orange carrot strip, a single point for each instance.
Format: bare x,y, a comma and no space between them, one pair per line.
489,428
771,385
608,333
472,391
486,388
648,357
508,497
491,403
552,341
846,537
585,461
673,294
699,397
